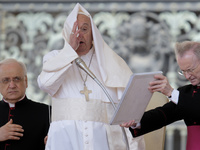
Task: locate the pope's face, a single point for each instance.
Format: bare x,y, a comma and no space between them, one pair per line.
85,34
13,82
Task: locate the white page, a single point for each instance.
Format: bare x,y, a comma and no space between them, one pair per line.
135,98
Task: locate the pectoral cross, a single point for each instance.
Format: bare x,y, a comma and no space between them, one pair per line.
86,92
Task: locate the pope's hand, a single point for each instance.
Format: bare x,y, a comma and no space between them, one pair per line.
45,140
74,40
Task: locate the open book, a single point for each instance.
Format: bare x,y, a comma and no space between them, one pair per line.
135,98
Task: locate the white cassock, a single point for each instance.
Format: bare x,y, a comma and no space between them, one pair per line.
78,124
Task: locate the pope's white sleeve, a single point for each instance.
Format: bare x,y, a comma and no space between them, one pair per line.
55,66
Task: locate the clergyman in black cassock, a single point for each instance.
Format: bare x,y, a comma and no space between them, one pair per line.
23,123
188,109
185,102
34,119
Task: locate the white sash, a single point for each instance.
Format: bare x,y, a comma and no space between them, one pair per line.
79,109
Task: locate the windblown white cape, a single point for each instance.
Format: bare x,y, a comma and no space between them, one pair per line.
79,124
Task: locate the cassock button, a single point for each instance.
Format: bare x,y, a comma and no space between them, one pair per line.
11,115
85,128
86,135
86,142
195,123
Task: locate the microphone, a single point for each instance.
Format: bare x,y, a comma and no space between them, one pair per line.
81,64
84,67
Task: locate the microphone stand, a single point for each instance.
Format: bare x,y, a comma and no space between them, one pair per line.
81,64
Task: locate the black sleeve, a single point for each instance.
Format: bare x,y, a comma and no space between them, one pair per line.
157,118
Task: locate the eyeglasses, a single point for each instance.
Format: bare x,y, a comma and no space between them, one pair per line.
189,71
8,80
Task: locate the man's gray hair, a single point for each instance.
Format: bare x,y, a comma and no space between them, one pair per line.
182,47
11,60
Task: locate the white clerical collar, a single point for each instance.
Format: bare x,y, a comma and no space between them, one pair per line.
11,104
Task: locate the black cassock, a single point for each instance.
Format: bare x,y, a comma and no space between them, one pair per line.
188,109
33,117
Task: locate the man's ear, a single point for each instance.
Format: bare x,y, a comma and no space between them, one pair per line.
26,80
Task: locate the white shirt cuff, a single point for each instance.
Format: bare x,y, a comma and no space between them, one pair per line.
137,126
174,96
